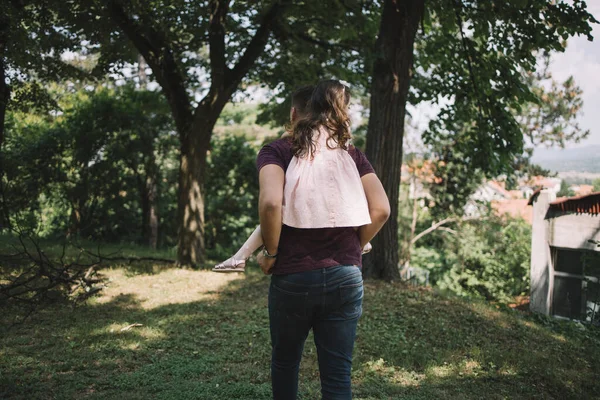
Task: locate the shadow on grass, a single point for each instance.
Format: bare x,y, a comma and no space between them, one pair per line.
412,344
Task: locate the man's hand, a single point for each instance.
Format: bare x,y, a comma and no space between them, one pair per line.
266,263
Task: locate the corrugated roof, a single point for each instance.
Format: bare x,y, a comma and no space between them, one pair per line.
588,204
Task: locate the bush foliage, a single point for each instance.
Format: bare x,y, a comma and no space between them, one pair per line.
487,259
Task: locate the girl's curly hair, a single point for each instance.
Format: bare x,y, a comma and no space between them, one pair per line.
328,108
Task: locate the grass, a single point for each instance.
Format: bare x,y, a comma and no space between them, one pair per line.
205,336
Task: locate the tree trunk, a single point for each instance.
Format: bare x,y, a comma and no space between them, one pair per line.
4,99
389,91
75,219
192,166
413,225
150,211
4,96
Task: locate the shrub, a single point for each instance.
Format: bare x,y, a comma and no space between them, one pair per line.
231,192
488,259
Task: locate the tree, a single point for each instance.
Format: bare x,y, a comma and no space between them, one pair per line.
32,40
95,171
565,190
488,259
552,118
163,53
596,185
496,43
200,53
389,94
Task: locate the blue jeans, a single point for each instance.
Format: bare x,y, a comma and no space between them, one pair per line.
329,301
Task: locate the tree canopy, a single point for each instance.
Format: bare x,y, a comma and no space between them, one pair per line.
473,59
476,60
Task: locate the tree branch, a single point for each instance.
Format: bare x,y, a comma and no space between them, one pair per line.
258,42
432,228
159,56
216,41
439,224
218,95
459,22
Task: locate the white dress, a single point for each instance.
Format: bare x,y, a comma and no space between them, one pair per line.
324,191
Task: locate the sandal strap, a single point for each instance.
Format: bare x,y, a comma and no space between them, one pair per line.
235,263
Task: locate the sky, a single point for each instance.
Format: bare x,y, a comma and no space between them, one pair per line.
581,59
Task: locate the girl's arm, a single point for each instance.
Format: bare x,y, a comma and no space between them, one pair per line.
379,208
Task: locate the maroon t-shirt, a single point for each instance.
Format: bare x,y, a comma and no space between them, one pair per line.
308,249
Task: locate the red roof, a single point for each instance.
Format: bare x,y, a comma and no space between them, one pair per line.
589,204
513,207
581,190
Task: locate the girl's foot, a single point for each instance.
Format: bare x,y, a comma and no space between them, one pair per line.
230,265
368,247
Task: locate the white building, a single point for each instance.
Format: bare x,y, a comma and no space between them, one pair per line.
565,256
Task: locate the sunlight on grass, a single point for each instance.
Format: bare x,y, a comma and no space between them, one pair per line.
508,371
441,371
203,335
119,330
170,286
379,370
559,337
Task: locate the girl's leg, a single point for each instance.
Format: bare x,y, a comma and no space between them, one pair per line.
250,246
237,262
367,249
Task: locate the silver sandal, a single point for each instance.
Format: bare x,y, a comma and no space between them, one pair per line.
230,265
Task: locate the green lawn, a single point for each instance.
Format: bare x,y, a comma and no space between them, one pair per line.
205,336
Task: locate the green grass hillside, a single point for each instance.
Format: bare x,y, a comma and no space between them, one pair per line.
205,336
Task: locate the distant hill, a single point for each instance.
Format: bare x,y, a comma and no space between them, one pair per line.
579,159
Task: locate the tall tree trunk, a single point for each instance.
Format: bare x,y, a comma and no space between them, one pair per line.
389,90
153,215
148,188
413,224
75,219
192,168
150,211
4,99
4,95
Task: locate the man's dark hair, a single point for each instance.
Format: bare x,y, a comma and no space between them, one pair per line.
301,97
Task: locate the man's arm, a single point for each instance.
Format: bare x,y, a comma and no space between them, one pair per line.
270,205
379,208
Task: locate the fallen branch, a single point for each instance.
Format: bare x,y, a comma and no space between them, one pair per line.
132,259
129,259
37,279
